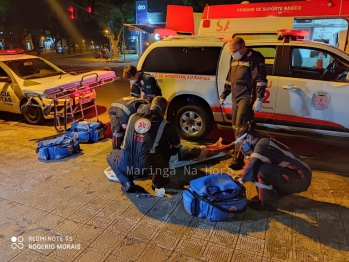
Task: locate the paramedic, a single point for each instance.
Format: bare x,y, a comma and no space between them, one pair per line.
274,168
246,81
149,143
119,113
141,82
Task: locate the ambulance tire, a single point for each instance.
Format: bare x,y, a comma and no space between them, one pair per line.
34,115
193,122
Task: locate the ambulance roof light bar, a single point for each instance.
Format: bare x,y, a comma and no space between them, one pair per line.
15,51
287,34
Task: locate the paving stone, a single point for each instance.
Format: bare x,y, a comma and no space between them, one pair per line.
154,253
91,255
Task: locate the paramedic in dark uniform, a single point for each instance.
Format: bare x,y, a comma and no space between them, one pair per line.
149,143
274,168
119,113
246,81
141,82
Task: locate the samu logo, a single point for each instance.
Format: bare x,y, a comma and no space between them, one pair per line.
17,242
141,7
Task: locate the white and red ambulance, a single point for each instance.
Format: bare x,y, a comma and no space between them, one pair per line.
308,86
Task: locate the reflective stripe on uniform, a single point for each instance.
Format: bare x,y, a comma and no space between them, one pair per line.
284,164
127,130
289,154
259,185
118,134
260,157
123,107
158,135
261,84
240,63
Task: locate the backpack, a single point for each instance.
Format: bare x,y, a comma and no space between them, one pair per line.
57,148
216,197
87,131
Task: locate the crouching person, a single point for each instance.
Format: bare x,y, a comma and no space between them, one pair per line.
273,167
119,113
149,142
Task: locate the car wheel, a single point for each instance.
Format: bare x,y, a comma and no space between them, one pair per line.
33,115
193,122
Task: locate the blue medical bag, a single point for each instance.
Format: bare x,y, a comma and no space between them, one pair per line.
87,131
216,197
57,148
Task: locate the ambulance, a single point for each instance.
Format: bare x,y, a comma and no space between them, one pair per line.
39,90
308,88
307,73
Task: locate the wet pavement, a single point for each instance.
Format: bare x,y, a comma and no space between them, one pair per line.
68,210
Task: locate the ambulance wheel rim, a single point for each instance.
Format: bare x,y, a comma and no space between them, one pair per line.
191,122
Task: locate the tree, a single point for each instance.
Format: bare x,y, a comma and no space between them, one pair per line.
4,6
111,17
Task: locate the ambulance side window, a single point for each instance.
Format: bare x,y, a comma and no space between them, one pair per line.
316,64
183,60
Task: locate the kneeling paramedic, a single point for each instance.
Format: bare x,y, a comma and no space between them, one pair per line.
149,143
273,167
141,82
119,113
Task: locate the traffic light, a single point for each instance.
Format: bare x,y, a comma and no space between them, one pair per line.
91,6
71,12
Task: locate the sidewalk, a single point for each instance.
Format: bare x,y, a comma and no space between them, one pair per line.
68,211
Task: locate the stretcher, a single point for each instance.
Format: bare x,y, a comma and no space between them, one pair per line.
67,94
175,163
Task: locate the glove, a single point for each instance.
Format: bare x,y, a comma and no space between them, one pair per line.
257,106
221,101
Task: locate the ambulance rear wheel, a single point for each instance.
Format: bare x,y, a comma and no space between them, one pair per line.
34,115
193,122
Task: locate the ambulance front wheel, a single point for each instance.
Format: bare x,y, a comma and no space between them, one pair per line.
193,122
34,115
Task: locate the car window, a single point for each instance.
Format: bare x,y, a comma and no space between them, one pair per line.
317,65
2,72
30,68
269,53
183,60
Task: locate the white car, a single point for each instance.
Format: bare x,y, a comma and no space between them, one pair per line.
39,90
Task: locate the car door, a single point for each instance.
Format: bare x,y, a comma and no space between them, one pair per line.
7,95
266,115
312,92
